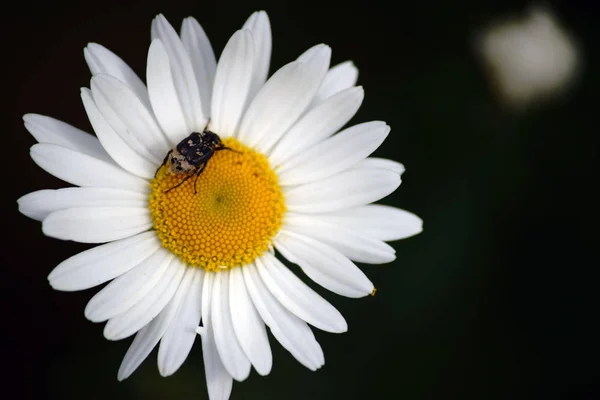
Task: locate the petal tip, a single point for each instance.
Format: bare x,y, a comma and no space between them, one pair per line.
164,371
52,282
121,376
60,284
93,45
264,370
28,118
109,333
324,48
47,229
418,227
342,327
20,199
89,313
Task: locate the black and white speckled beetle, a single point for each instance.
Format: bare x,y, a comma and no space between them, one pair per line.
191,155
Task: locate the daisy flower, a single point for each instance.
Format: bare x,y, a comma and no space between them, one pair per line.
193,250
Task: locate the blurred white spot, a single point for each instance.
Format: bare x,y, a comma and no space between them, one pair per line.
529,58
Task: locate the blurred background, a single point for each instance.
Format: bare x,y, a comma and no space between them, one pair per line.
494,300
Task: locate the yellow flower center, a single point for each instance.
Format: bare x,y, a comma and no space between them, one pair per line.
232,218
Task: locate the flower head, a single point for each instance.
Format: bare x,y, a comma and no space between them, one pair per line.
528,58
195,179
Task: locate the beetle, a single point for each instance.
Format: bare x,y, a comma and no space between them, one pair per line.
191,155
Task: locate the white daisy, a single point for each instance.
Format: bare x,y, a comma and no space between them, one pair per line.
183,262
529,58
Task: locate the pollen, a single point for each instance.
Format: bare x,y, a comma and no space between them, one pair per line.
232,218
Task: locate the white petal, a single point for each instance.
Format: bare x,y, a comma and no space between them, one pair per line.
380,163
258,23
230,351
103,263
148,337
132,320
249,327
202,57
178,339
96,224
338,78
83,170
100,60
128,289
324,265
318,123
379,221
163,95
293,333
366,136
49,130
312,52
38,205
140,348
282,100
207,298
117,148
335,154
347,189
129,117
353,243
294,295
218,380
232,83
183,73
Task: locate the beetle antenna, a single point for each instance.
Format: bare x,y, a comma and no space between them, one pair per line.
229,148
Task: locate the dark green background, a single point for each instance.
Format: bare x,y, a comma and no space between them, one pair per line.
494,300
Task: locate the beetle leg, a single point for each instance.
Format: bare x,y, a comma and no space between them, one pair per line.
181,183
198,175
164,162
